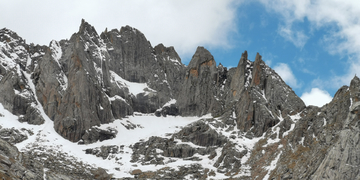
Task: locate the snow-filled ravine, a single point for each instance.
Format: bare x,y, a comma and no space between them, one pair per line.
147,125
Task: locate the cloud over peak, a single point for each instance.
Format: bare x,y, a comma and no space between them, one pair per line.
287,75
316,97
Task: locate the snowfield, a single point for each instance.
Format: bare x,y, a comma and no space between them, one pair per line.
147,125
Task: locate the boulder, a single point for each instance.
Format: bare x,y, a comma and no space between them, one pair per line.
14,165
95,134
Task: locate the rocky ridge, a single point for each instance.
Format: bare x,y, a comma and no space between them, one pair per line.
258,129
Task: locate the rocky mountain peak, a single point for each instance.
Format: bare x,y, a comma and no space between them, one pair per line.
160,49
11,37
243,60
170,52
355,82
258,75
86,28
242,76
13,50
198,92
201,57
128,29
355,89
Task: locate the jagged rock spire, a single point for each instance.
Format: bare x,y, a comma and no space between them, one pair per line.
197,95
241,76
85,26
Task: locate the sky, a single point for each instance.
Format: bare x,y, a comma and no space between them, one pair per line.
314,45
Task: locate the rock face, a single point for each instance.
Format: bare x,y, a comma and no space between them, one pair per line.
325,138
93,66
16,94
258,128
253,91
87,80
197,95
262,96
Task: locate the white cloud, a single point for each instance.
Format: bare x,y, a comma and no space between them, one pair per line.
298,38
306,71
183,24
286,74
316,97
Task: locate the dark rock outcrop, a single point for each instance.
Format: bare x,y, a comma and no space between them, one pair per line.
201,134
15,165
171,110
103,151
12,135
95,134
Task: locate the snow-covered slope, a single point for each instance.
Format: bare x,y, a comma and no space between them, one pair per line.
45,140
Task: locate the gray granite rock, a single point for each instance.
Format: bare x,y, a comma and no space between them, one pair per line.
16,95
262,96
197,96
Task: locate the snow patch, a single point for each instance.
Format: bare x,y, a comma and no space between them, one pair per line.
302,141
116,97
277,139
175,61
290,130
172,101
134,88
295,117
56,51
263,95
272,166
233,114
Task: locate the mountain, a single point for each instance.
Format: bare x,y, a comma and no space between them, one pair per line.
111,106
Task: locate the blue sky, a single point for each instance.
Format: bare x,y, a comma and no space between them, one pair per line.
313,44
